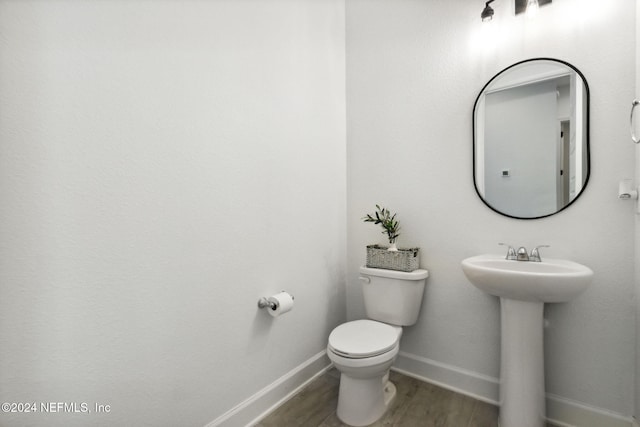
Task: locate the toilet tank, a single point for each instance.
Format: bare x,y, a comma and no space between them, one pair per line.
393,297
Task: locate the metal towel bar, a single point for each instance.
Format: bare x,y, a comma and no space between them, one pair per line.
634,104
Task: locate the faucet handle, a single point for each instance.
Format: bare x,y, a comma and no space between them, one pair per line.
511,252
535,254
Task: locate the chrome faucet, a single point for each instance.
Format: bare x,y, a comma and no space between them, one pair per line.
535,254
511,253
522,255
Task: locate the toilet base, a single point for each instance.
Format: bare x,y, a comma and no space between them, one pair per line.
363,401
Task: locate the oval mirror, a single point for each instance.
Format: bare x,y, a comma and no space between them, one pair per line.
531,138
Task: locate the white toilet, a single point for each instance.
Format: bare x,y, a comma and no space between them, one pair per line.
364,350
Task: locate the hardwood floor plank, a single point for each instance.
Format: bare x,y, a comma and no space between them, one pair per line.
484,415
416,404
435,406
309,407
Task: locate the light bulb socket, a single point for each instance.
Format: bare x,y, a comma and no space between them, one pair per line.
521,5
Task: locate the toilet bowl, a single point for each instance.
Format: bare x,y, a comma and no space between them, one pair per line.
364,350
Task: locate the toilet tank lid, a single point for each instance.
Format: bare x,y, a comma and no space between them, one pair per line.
393,274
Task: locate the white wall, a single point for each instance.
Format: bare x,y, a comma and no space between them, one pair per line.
163,165
414,69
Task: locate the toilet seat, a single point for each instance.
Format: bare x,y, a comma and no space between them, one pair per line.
361,339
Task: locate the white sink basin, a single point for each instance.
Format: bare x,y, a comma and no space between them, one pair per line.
524,287
552,280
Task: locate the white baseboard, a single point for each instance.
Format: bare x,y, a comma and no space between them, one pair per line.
472,384
561,412
275,394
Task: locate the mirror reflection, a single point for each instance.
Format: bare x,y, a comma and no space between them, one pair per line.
531,138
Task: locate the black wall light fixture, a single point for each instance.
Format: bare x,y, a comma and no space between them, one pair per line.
521,5
487,12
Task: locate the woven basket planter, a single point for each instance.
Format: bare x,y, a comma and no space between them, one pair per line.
400,260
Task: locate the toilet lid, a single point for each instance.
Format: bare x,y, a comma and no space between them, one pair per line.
363,338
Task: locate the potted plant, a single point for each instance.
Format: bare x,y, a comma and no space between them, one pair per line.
391,257
389,225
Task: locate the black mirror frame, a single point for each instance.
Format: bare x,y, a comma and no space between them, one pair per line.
587,137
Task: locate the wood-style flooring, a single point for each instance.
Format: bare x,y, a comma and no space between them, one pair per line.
416,404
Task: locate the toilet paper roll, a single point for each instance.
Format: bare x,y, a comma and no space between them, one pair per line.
283,304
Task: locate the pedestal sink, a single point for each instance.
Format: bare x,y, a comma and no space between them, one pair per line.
523,287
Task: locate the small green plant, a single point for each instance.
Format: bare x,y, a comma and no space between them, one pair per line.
388,222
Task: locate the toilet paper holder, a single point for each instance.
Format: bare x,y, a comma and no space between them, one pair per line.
265,303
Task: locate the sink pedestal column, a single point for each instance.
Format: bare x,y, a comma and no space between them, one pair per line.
522,397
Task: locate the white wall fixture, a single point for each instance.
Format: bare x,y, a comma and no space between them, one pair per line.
277,304
524,286
626,191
